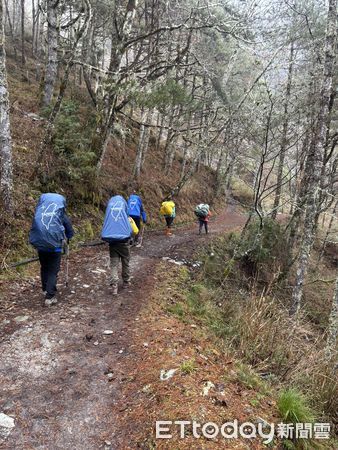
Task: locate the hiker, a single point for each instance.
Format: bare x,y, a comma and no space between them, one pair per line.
136,212
168,211
50,229
117,230
203,214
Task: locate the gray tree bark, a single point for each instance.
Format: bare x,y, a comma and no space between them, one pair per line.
52,52
23,53
6,172
331,345
284,140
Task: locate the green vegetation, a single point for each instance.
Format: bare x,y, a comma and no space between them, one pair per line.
188,367
293,407
74,168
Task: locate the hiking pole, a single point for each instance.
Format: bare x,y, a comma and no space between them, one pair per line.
67,261
142,232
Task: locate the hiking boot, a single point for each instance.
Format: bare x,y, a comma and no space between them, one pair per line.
126,285
50,301
115,289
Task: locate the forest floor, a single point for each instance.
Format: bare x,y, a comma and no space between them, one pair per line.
69,385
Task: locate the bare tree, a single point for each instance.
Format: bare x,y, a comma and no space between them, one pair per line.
6,180
52,52
315,157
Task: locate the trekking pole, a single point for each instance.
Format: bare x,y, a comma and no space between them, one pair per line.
67,261
142,232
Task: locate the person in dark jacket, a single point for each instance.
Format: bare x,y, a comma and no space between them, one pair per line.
203,222
136,212
51,227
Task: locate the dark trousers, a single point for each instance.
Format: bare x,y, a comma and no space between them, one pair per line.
50,266
169,221
119,251
137,220
203,223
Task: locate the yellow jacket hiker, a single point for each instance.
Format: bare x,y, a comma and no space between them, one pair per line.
168,211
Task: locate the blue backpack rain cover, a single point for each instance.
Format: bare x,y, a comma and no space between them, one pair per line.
116,225
48,232
135,207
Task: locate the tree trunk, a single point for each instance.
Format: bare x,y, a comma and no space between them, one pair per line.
6,173
52,52
139,154
11,29
331,345
284,140
316,157
23,57
150,118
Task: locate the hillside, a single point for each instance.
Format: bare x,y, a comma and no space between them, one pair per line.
86,206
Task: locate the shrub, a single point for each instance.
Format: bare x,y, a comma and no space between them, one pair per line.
242,192
263,250
188,367
293,407
75,162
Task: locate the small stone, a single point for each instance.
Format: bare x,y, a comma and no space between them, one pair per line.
167,374
61,342
6,425
8,405
107,442
108,332
121,351
19,319
86,286
110,376
145,344
96,343
193,325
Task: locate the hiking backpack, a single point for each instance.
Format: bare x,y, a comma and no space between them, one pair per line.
135,207
202,210
116,225
168,209
48,231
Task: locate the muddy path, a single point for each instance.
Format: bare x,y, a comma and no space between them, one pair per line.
61,368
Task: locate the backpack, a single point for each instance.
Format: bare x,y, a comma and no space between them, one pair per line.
167,209
116,225
202,210
47,231
134,205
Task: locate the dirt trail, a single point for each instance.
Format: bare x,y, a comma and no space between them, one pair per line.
55,362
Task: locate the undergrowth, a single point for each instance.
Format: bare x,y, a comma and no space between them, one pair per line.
246,317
